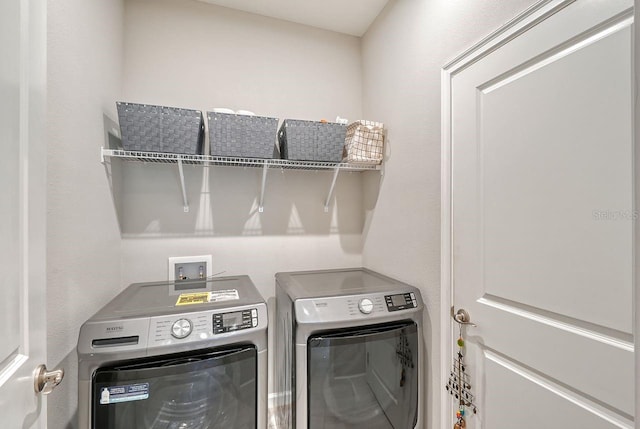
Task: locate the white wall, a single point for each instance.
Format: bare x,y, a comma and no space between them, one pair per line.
403,53
195,55
191,54
83,242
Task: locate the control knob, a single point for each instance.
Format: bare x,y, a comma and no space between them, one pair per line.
365,306
181,328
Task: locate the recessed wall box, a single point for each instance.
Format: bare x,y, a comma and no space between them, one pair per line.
183,268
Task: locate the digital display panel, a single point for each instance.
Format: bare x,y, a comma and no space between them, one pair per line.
230,320
398,300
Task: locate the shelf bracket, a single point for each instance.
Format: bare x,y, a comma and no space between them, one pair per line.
333,185
182,185
265,167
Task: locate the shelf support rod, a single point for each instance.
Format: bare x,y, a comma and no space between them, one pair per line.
265,167
182,185
333,185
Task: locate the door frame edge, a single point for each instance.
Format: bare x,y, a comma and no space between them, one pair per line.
635,108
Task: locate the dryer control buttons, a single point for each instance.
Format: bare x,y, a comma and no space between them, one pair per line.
401,301
181,328
365,305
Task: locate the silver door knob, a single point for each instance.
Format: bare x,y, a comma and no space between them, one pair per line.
462,317
45,381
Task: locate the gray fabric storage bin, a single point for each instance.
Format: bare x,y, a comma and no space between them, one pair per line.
311,141
148,128
242,136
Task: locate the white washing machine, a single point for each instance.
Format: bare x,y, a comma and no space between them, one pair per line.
176,355
350,351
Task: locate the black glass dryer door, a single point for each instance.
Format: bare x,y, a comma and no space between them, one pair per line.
365,378
211,389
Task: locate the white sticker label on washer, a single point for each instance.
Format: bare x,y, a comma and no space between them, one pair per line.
223,295
207,297
131,392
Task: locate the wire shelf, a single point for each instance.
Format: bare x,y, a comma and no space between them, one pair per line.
208,160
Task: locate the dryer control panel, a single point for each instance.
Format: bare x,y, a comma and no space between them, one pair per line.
401,301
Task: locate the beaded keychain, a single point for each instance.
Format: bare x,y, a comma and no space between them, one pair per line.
459,386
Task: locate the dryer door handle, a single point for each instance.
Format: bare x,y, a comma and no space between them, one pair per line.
365,333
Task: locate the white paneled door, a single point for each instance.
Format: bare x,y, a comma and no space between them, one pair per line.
539,218
22,210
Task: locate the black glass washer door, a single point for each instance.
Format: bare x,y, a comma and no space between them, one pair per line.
211,389
364,378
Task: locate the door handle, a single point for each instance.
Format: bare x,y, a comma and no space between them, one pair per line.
45,381
461,316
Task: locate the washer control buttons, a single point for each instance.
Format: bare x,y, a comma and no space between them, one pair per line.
235,321
365,306
181,328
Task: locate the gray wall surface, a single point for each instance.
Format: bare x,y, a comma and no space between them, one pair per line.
83,241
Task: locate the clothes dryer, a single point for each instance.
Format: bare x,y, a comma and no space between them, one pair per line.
350,351
176,355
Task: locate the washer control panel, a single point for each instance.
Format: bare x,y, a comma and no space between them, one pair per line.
234,321
402,301
181,328
200,326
